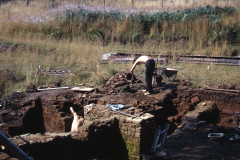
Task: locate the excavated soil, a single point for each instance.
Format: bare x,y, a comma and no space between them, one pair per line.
48,111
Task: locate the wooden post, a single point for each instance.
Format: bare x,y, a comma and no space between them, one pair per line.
132,3
27,3
162,3
193,4
104,5
227,3
78,2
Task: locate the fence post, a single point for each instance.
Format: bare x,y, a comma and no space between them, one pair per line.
193,4
132,3
227,3
162,3
104,5
27,3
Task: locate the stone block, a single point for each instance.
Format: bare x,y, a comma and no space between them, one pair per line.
124,128
137,134
122,119
137,120
133,133
128,120
133,125
32,141
117,117
147,116
133,129
138,129
123,124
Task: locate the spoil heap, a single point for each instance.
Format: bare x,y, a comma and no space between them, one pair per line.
120,82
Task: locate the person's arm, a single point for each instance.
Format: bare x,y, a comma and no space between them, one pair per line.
134,65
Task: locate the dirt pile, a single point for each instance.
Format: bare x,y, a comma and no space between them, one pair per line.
120,82
228,86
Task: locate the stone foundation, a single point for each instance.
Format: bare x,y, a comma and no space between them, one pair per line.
115,136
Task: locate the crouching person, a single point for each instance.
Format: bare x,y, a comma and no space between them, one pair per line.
77,119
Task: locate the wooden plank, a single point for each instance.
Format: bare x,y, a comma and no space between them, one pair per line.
85,89
225,90
46,89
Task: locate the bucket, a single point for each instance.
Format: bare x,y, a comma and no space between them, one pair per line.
129,76
158,79
153,155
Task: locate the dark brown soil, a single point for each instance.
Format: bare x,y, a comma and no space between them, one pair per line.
169,103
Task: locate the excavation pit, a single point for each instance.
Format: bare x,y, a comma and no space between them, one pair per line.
40,122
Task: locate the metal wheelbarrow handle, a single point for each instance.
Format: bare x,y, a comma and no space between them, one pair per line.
181,68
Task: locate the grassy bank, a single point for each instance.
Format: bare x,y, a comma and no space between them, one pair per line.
204,30
57,35
19,68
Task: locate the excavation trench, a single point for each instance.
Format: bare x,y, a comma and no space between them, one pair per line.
43,120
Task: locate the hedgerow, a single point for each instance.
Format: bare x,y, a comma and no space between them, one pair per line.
121,25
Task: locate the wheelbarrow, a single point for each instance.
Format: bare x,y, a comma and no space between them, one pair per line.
168,72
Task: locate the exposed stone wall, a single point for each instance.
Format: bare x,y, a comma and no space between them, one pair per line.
137,133
111,136
96,139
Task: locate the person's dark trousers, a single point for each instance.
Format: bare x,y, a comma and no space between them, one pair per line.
150,66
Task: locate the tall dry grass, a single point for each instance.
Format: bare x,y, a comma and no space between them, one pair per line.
82,58
161,5
198,36
207,75
38,45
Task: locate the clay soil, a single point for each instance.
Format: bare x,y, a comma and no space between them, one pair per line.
170,102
